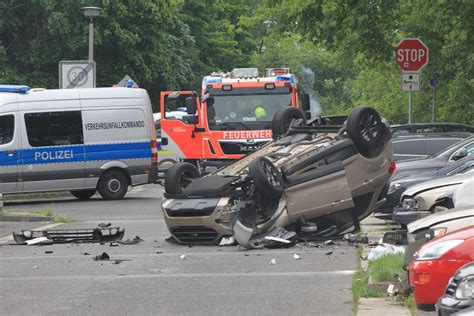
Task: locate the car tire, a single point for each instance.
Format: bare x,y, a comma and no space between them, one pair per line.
283,117
266,177
179,176
83,195
113,185
366,130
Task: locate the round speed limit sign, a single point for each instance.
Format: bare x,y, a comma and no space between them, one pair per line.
76,74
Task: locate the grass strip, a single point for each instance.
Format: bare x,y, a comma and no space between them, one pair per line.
360,284
387,266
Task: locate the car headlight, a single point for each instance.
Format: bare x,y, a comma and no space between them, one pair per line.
439,231
436,250
411,238
393,187
410,204
465,290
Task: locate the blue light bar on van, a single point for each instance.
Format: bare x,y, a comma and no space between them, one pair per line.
210,80
288,78
14,88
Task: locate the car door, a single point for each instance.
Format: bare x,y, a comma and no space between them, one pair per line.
180,139
10,154
318,191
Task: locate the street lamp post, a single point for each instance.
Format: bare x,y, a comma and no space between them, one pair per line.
91,12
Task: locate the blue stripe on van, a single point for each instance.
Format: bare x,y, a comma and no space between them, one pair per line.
61,154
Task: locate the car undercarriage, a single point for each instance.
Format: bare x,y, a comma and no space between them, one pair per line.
306,181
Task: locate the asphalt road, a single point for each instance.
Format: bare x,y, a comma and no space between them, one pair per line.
155,280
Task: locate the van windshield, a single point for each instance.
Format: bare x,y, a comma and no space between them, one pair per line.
249,111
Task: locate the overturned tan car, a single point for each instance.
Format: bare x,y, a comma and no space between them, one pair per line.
304,180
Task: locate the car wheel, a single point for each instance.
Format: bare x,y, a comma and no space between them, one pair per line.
113,185
83,194
180,176
366,130
283,117
266,177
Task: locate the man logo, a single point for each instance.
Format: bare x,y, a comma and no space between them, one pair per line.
250,141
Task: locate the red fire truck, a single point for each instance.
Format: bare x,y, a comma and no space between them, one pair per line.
232,119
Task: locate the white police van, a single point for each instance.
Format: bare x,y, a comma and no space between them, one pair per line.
79,140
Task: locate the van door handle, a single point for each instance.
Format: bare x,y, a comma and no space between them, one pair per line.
11,153
366,182
337,202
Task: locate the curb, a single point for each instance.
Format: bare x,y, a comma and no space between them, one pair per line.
374,306
25,218
35,197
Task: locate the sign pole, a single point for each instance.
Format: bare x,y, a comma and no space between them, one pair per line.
409,108
433,110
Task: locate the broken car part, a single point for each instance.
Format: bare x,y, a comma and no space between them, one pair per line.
134,241
95,235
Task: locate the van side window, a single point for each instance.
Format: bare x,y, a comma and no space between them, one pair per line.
7,127
54,128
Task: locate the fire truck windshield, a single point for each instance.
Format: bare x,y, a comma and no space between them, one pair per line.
249,111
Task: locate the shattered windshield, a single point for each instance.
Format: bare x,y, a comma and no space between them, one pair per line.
245,112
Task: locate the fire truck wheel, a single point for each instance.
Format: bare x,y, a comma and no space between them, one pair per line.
179,176
266,177
283,117
366,130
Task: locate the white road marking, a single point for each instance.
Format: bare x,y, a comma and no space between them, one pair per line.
177,275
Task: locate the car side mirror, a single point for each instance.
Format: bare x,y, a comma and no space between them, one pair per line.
306,102
191,119
461,153
191,105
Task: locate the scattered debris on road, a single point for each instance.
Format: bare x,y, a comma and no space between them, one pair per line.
48,251
183,257
95,235
103,257
134,241
38,241
353,239
382,249
227,241
296,256
273,262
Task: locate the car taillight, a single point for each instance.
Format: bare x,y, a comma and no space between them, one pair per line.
392,168
154,153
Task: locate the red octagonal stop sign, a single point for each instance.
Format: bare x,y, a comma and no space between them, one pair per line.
411,54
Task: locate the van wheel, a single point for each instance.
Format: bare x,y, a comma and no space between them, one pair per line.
366,130
113,185
283,117
83,194
180,176
266,177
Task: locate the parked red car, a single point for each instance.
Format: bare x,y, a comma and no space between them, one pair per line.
436,262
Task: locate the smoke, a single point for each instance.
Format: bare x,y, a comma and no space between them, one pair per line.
308,82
